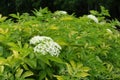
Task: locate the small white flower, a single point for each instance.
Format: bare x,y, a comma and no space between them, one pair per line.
109,31
45,45
93,18
60,12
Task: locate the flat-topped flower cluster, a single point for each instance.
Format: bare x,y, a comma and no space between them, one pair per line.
92,17
45,45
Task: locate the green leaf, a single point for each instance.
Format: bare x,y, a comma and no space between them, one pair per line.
59,77
2,18
42,75
85,69
16,54
73,65
13,46
27,74
29,79
69,69
82,74
25,66
31,62
1,50
1,69
46,78
43,58
17,16
18,73
2,60
19,44
79,65
55,59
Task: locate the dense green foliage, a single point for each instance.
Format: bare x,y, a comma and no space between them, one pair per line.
90,50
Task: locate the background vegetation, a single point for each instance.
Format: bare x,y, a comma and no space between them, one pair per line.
79,7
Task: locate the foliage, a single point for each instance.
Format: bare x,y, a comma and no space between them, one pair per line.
90,50
75,71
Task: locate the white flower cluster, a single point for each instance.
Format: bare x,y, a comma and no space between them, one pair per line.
93,18
60,12
45,45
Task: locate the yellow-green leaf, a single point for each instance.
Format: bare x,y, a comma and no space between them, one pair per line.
2,60
53,27
1,69
18,72
67,18
27,74
73,65
16,54
69,69
58,77
85,69
83,74
79,65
